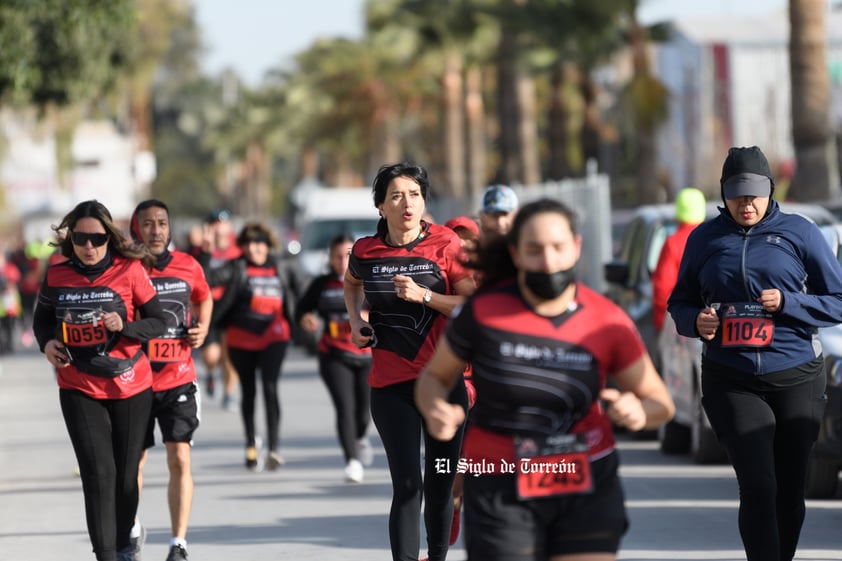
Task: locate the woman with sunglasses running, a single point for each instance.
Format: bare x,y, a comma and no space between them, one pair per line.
85,324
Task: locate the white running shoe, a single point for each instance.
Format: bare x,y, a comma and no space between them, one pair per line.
365,452
354,472
274,461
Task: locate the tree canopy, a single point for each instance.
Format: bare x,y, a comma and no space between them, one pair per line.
63,51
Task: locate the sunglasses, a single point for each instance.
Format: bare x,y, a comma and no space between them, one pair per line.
256,239
81,238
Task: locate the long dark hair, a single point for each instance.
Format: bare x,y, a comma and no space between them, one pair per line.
257,231
117,242
338,240
386,174
492,258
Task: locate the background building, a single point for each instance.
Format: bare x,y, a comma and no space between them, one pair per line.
729,84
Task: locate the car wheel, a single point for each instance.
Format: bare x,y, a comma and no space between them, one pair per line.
704,446
674,438
822,478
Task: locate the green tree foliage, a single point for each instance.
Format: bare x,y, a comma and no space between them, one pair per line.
185,105
63,51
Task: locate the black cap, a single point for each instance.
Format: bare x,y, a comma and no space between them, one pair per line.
746,172
218,215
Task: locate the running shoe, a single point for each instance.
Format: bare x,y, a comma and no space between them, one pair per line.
274,460
137,543
365,452
177,553
251,459
354,472
211,385
229,403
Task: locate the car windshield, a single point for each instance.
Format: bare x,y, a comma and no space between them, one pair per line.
317,235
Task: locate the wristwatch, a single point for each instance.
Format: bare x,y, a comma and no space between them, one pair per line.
428,296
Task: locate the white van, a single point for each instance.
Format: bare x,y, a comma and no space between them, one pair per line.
323,213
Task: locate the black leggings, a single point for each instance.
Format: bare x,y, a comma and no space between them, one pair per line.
107,437
768,431
269,361
400,425
347,383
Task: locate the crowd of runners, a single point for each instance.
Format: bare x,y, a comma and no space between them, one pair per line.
470,346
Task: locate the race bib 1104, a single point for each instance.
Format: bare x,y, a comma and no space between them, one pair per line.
746,324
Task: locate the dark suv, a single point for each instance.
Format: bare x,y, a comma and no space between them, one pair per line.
629,275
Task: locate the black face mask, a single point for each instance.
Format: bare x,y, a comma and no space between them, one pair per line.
549,285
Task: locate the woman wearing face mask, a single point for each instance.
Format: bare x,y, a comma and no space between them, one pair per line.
542,347
85,325
411,275
255,314
754,284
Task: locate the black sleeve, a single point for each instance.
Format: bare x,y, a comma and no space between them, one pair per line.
460,330
43,321
152,323
287,294
309,301
204,258
217,276
231,275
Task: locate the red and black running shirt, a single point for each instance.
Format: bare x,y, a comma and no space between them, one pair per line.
78,304
406,331
326,297
258,316
179,283
540,376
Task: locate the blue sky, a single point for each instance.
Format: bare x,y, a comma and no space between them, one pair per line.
253,35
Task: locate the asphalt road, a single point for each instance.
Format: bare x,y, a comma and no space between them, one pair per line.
305,510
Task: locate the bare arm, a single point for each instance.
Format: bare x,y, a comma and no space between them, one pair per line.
431,389
354,299
643,401
202,312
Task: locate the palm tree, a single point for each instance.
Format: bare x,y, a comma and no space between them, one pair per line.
572,37
518,140
157,22
810,102
455,38
647,101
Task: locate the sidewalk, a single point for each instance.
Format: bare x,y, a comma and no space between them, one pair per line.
304,510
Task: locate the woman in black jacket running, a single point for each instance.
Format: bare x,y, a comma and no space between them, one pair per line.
343,366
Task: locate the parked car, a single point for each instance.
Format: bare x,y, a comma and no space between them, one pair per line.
834,206
690,430
629,274
826,460
629,278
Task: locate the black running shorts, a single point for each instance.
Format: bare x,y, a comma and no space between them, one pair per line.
499,527
177,412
